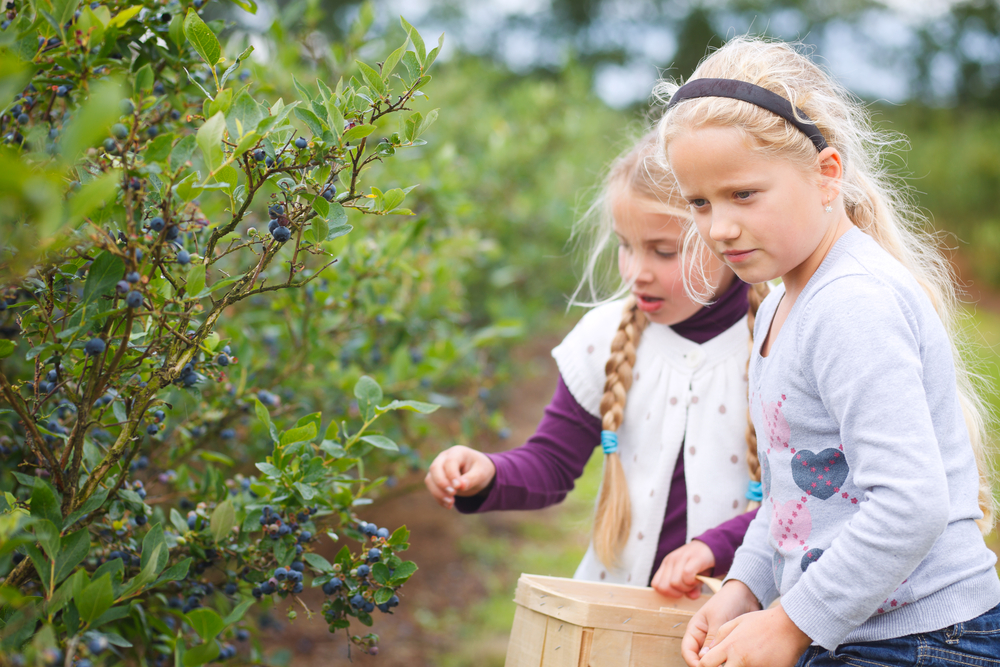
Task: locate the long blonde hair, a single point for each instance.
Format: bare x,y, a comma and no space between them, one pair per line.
876,202
636,174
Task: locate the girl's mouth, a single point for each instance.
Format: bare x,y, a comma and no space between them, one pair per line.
648,304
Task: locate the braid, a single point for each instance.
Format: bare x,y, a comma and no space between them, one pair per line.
757,293
613,517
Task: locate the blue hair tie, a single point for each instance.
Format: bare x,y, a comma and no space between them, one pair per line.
755,491
609,442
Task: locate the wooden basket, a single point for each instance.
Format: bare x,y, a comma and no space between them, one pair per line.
569,623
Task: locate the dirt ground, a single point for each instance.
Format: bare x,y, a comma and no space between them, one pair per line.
451,577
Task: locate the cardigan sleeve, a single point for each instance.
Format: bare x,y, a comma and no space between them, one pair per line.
724,539
543,470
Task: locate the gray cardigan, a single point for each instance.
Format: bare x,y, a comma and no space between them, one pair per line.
868,529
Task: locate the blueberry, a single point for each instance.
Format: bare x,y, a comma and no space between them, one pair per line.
280,574
281,234
152,429
268,588
158,88
192,521
301,143
119,131
52,375
272,225
227,350
332,586
165,17
159,415
230,588
152,131
259,155
357,601
183,257
369,607
157,224
369,529
126,107
275,210
297,588
23,119
284,530
382,532
134,299
61,91
172,232
298,566
298,549
141,519
374,555
110,146
94,347
269,161
122,286
189,380
175,114
98,645
305,536
242,635
384,607
142,462
257,592
222,360
363,570
52,656
133,277
227,434
393,601
329,192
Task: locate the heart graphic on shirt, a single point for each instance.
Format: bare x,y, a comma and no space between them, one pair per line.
810,557
778,565
778,430
791,524
820,475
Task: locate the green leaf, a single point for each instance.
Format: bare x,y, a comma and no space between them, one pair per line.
201,37
95,599
74,549
262,414
44,504
403,572
368,390
269,470
318,562
393,59
175,572
124,16
7,348
182,152
93,195
432,56
412,67
373,79
47,536
415,406
308,492
245,110
196,280
322,208
246,5
418,42
380,573
339,230
221,103
106,270
383,595
210,140
399,537
223,520
357,132
236,615
381,442
299,434
206,622
144,80
232,68
200,654
176,30
92,503
311,120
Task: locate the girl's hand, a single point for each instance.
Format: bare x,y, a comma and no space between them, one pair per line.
458,471
676,575
758,639
734,600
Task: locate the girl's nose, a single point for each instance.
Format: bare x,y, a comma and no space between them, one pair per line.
724,226
636,270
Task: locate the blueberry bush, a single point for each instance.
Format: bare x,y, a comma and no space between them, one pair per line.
203,302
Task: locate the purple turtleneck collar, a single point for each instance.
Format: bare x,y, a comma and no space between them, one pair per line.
718,316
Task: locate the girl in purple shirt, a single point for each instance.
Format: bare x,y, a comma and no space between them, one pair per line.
640,212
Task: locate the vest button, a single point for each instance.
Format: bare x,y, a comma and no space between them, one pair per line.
696,498
639,536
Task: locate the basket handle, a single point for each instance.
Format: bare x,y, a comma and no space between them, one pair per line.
713,584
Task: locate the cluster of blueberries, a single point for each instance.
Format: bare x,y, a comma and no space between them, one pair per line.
278,226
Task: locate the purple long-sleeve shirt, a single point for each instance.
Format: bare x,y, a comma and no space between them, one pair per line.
543,470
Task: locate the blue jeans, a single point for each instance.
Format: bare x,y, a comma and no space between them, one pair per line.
975,643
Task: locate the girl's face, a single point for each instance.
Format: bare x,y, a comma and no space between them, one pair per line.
763,216
649,244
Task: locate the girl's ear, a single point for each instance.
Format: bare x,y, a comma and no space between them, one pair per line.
831,170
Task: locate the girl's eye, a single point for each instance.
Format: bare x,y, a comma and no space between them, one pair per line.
666,254
698,203
743,195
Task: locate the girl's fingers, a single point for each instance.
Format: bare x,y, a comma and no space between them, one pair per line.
694,639
443,499
451,471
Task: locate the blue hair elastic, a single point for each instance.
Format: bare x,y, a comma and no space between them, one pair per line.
755,491
609,442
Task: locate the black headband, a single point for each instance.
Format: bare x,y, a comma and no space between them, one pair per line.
748,92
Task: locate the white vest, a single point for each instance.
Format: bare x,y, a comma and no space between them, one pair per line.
682,393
